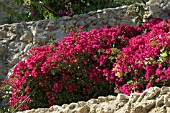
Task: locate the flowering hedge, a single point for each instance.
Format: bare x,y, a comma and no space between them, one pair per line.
145,62
88,64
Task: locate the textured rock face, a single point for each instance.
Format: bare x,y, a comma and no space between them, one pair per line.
152,100
158,7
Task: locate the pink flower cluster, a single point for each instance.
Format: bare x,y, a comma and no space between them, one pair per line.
83,63
64,12
145,62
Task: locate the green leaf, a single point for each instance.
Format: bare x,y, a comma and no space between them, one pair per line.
129,82
51,15
99,51
1,110
54,70
164,54
160,59
134,88
45,14
162,49
12,109
111,57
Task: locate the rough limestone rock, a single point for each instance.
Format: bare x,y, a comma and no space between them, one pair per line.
135,103
158,7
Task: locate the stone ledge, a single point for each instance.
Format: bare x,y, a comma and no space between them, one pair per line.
152,100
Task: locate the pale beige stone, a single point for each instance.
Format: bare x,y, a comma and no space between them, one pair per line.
27,36
148,104
84,109
167,109
72,106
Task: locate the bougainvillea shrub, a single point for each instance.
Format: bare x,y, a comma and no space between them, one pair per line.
84,65
145,62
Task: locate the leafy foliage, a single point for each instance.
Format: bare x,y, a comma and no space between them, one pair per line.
40,9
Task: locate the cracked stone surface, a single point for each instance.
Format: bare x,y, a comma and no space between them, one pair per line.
117,104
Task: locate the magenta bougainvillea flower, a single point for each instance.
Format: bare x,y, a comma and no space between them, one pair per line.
117,59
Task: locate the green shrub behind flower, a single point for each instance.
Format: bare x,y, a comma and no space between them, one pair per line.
45,9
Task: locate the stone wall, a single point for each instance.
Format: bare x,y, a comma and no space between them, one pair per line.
152,100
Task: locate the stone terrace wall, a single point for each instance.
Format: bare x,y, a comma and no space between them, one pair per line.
152,100
14,38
